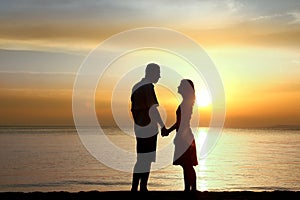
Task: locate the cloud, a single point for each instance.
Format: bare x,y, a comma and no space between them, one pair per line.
287,18
295,61
296,17
36,80
267,17
234,5
82,25
39,61
282,87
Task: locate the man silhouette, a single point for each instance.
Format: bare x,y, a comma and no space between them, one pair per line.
146,119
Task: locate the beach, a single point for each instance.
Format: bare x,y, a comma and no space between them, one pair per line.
165,195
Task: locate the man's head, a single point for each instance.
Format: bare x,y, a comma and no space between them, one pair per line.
152,72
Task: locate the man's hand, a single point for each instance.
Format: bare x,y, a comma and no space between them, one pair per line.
164,131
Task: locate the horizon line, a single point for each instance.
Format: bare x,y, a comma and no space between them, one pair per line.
278,126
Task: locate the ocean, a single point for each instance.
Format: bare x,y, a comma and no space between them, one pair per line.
55,159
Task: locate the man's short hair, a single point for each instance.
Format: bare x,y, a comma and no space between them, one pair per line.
152,67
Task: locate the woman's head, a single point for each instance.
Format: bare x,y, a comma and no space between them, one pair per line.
187,90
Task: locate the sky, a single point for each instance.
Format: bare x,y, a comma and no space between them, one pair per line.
255,46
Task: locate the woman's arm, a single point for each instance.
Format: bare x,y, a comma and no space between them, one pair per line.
169,130
173,127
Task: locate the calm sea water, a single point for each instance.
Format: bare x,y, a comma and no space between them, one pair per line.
55,159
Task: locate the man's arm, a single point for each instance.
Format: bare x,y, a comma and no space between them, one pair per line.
155,115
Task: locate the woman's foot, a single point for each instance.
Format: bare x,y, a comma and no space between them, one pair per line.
144,190
194,189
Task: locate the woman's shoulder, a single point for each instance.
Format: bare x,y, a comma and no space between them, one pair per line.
186,106
178,109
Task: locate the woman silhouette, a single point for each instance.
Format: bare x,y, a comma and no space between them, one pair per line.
185,147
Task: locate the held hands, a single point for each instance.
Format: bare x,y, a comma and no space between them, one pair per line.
164,131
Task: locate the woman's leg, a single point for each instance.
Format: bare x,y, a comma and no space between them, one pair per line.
193,179
189,175
186,179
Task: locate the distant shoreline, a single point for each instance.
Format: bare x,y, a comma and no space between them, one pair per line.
275,127
165,195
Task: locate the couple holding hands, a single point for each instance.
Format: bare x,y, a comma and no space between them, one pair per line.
146,120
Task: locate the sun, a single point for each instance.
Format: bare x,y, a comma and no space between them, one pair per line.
203,98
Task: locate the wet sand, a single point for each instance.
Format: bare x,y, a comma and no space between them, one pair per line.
153,195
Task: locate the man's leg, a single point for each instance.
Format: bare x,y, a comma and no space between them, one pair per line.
144,181
145,176
135,182
135,178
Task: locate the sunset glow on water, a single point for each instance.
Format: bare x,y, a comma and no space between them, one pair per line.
54,159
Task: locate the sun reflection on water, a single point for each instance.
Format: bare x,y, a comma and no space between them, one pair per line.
200,137
201,174
201,168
